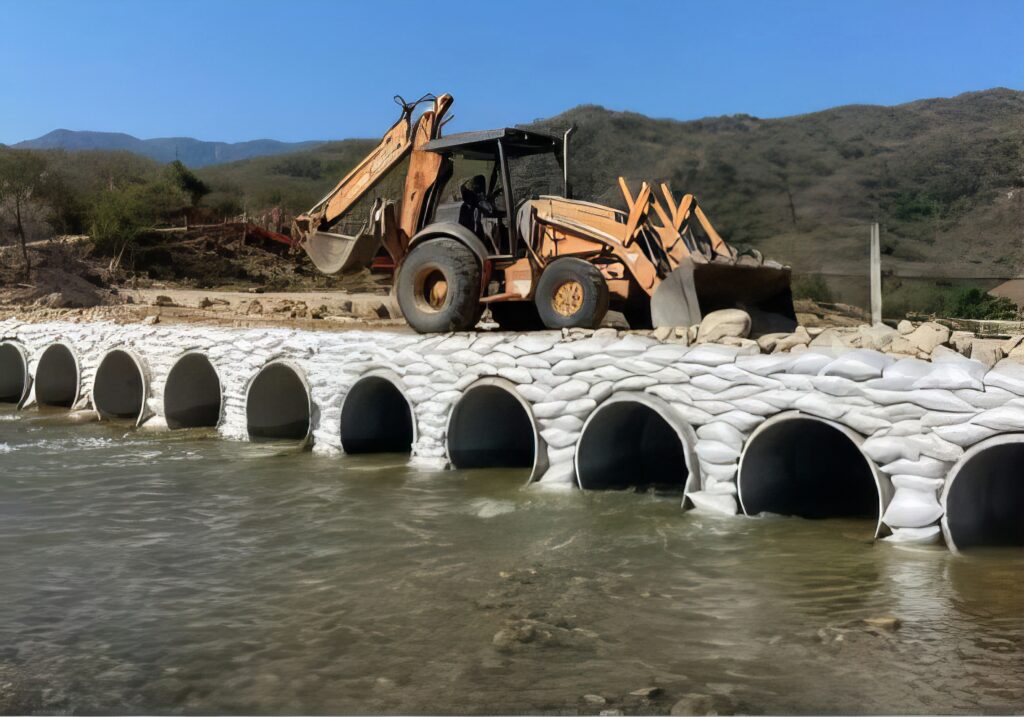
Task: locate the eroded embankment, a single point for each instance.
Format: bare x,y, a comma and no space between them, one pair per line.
827,431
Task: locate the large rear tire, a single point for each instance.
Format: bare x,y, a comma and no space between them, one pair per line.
571,293
438,287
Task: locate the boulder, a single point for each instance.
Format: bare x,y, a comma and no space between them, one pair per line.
723,323
787,342
988,351
904,327
927,336
961,341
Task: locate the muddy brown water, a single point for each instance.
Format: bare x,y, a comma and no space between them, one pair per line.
144,573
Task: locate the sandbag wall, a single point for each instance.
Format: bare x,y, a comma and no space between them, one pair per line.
708,418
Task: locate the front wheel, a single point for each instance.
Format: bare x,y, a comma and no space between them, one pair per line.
571,293
438,287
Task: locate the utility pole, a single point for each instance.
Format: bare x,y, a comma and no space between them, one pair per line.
876,276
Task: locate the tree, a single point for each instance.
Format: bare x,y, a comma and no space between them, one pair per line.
22,178
183,178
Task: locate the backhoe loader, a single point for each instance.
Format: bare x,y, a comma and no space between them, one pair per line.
444,215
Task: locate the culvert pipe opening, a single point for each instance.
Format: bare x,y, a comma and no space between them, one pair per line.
192,394
629,444
376,418
119,389
490,427
278,404
13,374
984,496
57,377
806,467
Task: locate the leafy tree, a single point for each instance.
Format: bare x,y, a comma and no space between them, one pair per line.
118,216
182,177
22,179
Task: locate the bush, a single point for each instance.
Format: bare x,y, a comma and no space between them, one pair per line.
813,287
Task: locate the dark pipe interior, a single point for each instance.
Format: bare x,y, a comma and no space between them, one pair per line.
985,504
807,468
376,418
490,428
118,391
57,377
12,374
628,445
192,394
278,405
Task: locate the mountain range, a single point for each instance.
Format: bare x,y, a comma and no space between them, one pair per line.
192,152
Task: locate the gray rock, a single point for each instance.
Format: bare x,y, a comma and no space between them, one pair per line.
927,336
595,700
694,703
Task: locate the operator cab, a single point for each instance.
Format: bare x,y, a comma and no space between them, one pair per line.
475,186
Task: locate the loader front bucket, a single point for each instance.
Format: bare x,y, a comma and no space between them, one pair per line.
332,252
690,292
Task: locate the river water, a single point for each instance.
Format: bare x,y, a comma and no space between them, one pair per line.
146,573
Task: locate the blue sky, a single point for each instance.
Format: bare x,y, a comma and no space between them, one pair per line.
299,69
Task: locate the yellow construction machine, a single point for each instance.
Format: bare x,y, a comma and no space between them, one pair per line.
471,221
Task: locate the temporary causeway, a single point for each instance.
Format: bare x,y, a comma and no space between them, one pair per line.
930,449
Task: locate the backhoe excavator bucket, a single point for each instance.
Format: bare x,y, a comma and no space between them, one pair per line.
332,252
693,290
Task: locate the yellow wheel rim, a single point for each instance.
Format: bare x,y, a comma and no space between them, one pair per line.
568,299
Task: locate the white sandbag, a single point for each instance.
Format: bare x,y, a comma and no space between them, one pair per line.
557,438
857,365
766,364
914,482
964,434
713,407
630,345
952,375
1004,418
934,446
923,466
912,509
930,398
723,432
991,397
569,390
755,407
716,451
907,427
921,536
718,471
690,414
886,449
549,409
577,366
515,374
580,407
723,504
600,391
836,385
635,383
864,423
816,404
716,487
711,355
1007,374
710,382
810,362
587,347
666,354
740,420
940,418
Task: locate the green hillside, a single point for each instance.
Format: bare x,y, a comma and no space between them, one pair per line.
943,177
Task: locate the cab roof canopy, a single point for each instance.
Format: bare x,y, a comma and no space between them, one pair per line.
516,143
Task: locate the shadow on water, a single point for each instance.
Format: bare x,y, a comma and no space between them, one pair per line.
170,572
